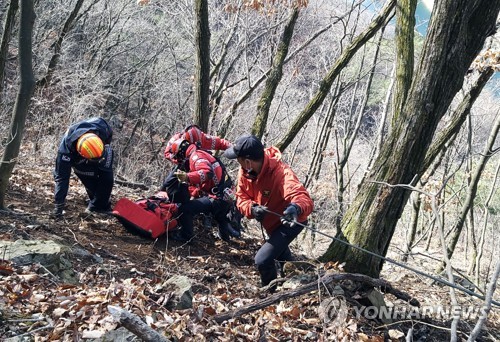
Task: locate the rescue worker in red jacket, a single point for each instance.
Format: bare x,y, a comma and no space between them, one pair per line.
195,135
207,176
269,191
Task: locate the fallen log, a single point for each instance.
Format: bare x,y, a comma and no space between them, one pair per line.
131,185
384,285
135,325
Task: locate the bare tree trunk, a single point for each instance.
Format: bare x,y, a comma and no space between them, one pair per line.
259,125
326,83
68,25
472,190
415,214
458,117
405,22
456,34
26,88
486,210
487,304
322,139
352,134
7,32
383,120
202,78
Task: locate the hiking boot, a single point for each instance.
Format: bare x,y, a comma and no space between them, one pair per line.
178,236
224,232
207,221
233,232
105,211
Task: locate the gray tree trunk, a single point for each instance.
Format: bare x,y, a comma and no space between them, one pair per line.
202,77
26,88
457,31
7,32
275,76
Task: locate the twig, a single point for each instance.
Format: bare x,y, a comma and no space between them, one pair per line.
132,185
74,236
415,322
25,320
35,330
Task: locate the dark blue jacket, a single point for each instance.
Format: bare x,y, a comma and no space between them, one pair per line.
68,157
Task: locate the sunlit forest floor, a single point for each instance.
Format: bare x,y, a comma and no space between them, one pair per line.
125,270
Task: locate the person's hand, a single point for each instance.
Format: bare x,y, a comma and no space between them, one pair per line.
58,211
258,212
290,215
181,176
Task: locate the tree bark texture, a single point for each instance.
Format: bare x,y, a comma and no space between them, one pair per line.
275,76
327,81
457,31
405,26
202,77
7,32
26,88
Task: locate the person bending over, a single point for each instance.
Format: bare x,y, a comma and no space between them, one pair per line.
86,149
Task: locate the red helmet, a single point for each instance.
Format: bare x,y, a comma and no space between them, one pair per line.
179,148
168,153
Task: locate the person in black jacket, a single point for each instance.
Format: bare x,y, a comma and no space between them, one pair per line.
86,148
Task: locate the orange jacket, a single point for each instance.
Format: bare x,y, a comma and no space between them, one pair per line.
276,187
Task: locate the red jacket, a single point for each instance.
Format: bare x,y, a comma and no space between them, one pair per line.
195,136
276,187
205,172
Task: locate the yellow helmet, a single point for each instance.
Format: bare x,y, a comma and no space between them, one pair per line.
90,146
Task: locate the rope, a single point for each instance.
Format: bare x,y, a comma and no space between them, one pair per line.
397,263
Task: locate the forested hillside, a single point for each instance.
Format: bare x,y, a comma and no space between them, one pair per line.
394,134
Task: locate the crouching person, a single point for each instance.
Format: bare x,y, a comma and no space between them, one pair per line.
206,179
270,192
86,149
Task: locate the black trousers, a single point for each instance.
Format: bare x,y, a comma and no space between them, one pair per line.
275,248
98,188
218,208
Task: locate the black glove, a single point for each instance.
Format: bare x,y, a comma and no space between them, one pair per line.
58,210
290,215
258,212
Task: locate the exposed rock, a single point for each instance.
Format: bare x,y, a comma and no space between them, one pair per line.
50,254
182,294
377,300
298,281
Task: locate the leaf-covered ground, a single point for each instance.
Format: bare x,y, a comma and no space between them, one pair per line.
124,270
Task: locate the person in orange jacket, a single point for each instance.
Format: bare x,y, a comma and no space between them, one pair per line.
269,191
